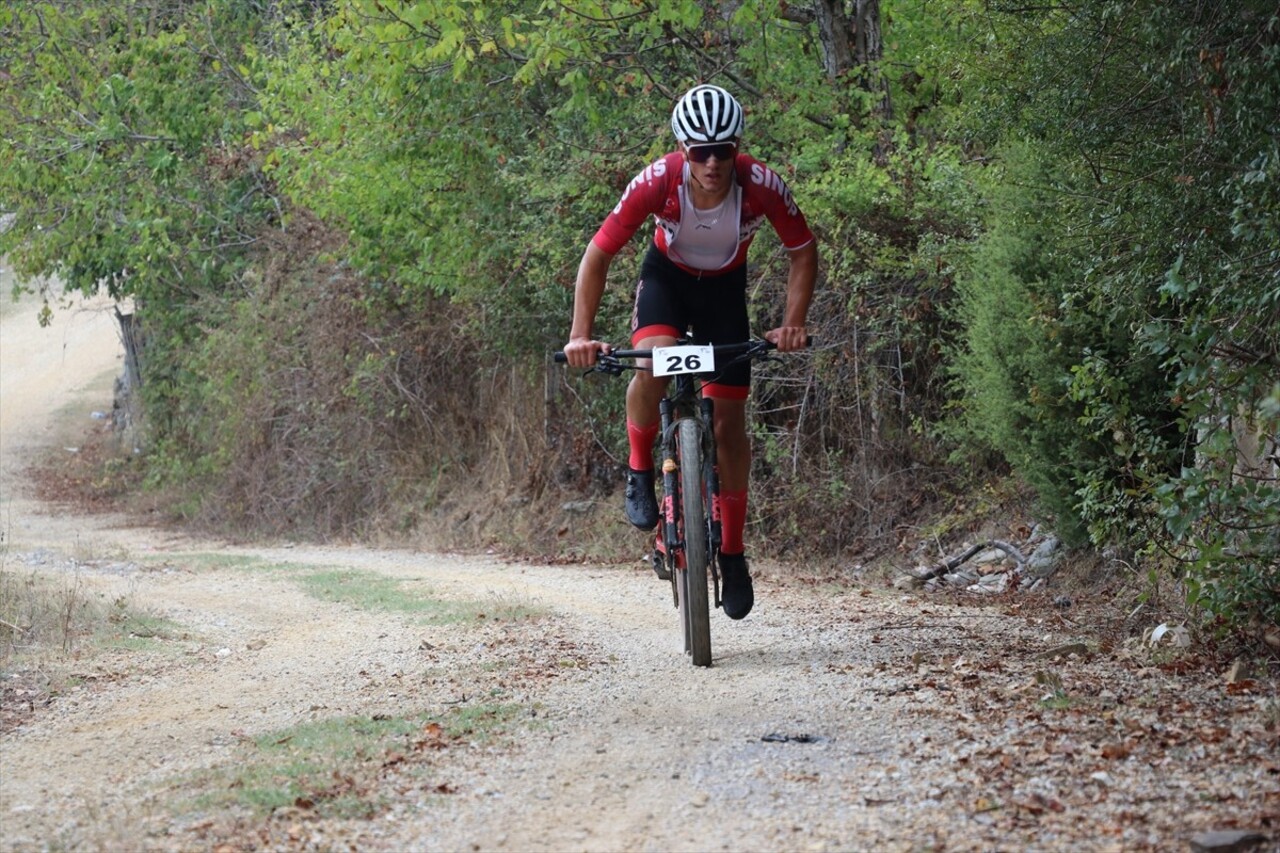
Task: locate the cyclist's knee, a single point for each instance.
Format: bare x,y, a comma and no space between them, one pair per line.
646,383
730,427
731,414
646,390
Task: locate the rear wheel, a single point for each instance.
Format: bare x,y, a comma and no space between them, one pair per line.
692,585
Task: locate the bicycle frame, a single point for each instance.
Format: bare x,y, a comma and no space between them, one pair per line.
689,538
684,403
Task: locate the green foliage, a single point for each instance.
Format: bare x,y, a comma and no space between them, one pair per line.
1013,355
360,142
122,164
1169,327
458,156
470,149
115,157
1054,254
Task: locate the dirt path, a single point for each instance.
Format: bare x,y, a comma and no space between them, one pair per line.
834,718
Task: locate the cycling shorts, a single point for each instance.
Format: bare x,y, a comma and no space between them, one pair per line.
670,300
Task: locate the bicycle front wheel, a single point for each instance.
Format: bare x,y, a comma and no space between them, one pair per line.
692,586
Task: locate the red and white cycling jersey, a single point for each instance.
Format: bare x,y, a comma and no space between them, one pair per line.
659,191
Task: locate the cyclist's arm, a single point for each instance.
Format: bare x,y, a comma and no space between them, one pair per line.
792,334
588,290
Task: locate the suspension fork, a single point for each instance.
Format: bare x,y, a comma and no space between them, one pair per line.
712,477
670,482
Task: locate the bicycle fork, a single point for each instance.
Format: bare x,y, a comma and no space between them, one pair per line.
669,540
670,543
711,480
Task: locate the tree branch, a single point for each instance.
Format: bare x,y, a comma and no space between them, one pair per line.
947,566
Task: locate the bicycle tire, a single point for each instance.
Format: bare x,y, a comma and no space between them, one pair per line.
695,615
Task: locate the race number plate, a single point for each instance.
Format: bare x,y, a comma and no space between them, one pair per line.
668,361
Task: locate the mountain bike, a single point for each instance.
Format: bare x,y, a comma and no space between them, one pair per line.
688,539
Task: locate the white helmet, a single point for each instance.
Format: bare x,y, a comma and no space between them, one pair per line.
706,114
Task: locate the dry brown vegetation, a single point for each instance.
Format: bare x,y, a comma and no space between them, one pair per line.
331,418
313,410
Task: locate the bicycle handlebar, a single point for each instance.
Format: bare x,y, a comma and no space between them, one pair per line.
740,348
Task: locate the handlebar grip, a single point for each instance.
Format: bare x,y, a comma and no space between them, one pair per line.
560,357
808,342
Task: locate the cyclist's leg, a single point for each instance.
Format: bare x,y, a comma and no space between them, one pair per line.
733,458
722,318
654,322
733,461
733,449
643,395
658,318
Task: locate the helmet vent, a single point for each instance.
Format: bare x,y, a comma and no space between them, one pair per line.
707,113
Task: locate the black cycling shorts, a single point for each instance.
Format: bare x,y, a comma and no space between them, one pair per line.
670,300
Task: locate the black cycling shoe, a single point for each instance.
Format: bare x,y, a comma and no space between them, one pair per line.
642,506
736,594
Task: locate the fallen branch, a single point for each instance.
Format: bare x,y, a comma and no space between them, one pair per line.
947,566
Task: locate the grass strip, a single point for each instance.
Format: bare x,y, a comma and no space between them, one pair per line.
337,768
379,593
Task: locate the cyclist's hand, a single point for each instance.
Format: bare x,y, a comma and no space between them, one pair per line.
788,338
581,352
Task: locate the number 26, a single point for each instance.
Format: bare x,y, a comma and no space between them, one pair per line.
683,364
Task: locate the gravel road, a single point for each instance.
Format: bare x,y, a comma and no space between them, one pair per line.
836,717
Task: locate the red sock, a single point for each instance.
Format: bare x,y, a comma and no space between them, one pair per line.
641,440
733,521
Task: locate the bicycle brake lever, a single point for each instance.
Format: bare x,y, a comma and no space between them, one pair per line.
611,366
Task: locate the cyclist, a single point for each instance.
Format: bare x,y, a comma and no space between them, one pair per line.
707,200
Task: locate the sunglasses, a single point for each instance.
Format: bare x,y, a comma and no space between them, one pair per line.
720,150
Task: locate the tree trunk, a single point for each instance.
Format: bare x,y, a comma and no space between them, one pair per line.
835,36
852,43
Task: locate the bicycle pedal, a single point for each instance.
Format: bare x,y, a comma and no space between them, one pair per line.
660,566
